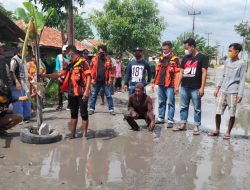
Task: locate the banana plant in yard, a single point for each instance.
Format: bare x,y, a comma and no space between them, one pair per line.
35,22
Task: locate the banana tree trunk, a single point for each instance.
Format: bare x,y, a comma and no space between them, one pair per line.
38,98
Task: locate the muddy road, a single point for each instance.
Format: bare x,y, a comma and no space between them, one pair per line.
115,157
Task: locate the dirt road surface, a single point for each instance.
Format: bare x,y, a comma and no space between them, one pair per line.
117,158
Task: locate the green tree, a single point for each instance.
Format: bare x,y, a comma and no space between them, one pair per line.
125,24
210,51
243,29
81,28
61,18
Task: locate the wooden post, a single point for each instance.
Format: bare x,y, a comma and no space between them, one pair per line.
71,40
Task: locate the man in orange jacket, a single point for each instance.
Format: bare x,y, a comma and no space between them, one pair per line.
77,84
102,77
166,78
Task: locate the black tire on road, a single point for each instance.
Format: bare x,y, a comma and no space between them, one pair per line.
30,138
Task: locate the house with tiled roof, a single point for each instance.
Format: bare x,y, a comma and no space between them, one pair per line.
91,42
51,41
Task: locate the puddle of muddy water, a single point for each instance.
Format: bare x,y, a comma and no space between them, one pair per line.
97,161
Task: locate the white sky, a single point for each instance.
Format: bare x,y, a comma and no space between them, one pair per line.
217,16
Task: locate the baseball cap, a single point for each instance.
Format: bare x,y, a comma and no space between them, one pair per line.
71,48
64,48
85,51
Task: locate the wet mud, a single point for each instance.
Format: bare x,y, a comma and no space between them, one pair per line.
115,157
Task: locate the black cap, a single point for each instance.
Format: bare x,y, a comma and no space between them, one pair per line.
85,51
71,48
190,42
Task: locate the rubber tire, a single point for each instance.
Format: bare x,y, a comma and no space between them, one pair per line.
30,138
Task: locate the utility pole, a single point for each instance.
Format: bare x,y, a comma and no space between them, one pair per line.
194,14
208,34
222,52
71,39
217,47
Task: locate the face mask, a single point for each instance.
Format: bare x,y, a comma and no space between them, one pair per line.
102,55
166,54
68,57
187,52
232,54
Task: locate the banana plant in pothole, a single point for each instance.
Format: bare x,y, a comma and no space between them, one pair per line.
35,21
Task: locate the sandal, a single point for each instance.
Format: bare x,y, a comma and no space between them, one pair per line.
196,131
226,137
180,128
214,134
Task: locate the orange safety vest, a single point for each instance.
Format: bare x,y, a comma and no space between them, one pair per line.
78,77
171,79
109,71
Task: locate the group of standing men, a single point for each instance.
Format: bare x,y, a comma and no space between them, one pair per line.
190,76
76,73
169,74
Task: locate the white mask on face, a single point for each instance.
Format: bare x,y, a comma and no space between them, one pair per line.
167,54
187,52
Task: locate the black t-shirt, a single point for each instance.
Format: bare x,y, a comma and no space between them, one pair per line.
101,71
192,70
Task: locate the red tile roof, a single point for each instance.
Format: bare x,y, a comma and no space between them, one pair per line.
94,42
51,37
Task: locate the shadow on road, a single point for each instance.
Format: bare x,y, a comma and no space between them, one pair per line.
107,134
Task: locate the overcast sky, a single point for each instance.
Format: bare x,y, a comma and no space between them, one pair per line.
217,16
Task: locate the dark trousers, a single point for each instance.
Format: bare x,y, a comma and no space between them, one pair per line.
60,95
131,116
76,102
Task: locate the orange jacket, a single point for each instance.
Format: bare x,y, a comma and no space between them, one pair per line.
75,77
109,71
172,69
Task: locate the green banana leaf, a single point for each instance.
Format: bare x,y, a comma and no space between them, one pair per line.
20,12
39,19
29,7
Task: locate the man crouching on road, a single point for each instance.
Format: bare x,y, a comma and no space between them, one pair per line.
140,106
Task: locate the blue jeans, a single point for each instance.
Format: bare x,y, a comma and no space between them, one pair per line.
131,90
21,107
186,95
166,94
107,91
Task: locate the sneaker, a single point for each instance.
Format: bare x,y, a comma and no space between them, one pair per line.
26,121
68,108
59,108
170,125
91,112
159,121
112,112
